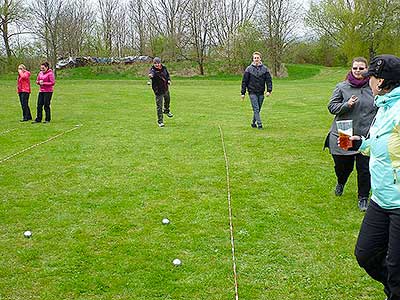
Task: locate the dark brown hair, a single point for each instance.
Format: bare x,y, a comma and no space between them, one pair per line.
46,64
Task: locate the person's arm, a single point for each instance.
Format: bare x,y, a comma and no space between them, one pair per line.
337,105
268,83
151,73
245,82
360,144
168,78
23,74
51,81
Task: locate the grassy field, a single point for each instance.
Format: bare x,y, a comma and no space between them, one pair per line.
94,197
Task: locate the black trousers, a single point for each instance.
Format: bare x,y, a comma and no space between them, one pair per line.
44,99
378,247
26,111
160,100
344,165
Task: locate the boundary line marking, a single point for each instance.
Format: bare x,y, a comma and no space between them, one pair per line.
7,131
38,144
228,187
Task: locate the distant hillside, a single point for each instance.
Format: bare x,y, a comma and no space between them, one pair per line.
181,70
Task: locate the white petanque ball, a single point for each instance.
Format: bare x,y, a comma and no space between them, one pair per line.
177,262
165,221
27,234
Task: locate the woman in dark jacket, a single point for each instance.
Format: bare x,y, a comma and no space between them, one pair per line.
352,100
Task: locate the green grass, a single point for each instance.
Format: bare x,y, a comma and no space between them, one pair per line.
94,198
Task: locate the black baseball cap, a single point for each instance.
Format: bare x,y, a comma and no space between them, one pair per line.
384,66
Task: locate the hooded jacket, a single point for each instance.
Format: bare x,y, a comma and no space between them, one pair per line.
23,82
362,113
255,78
383,147
160,79
48,81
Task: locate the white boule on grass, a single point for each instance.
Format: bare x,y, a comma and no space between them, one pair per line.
165,221
176,262
27,234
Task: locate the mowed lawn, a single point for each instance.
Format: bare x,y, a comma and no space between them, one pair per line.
94,197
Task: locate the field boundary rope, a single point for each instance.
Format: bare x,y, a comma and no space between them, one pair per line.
38,144
7,131
228,188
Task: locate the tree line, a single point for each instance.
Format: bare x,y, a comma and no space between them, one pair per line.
200,30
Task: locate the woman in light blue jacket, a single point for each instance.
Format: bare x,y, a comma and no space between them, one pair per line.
378,245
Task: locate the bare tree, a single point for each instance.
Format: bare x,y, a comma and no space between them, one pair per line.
230,15
76,26
278,19
120,34
200,19
108,13
138,24
167,18
12,12
47,22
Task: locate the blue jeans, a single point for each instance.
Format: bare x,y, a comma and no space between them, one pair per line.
256,103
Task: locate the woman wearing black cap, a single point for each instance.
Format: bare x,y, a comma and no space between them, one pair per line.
378,245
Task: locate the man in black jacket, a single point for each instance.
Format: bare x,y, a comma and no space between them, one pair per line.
160,83
255,78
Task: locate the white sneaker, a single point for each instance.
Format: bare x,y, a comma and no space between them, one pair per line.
161,125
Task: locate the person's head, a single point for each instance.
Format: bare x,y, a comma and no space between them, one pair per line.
256,58
157,62
44,66
383,73
21,67
358,67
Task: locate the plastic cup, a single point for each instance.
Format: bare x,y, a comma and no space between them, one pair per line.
345,131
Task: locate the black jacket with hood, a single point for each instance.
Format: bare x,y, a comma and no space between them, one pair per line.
255,78
160,79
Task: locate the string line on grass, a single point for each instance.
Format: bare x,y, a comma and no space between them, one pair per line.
228,188
7,131
38,144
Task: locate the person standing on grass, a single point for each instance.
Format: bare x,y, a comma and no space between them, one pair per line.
24,90
46,83
160,82
352,100
378,244
255,78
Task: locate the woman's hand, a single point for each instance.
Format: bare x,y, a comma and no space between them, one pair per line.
353,99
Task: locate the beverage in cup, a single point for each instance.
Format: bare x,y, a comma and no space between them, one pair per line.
345,131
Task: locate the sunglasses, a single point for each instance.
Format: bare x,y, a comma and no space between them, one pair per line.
359,68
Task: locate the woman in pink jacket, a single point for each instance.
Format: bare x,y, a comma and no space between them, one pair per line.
24,90
46,82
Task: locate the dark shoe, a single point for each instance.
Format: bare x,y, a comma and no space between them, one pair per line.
363,203
339,189
169,114
35,122
161,125
259,127
253,125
